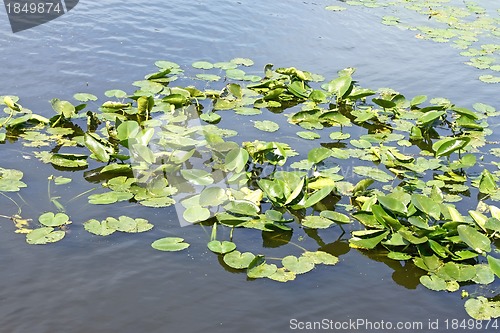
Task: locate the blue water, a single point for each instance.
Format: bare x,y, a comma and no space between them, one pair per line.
118,283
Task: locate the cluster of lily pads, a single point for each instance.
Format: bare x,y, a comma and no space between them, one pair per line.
470,27
388,167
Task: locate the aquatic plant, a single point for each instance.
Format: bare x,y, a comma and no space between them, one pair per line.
386,167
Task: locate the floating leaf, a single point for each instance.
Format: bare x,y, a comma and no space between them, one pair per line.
242,61
321,257
318,154
238,260
203,65
69,160
282,275
212,196
335,216
170,244
481,308
373,173
316,222
308,135
98,228
62,180
221,247
433,282
266,125
44,235
196,214
50,219
259,269
109,197
210,117
299,265
208,77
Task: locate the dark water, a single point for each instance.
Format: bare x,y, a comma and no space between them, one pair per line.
118,283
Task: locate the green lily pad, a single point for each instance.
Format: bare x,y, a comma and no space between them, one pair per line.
128,224
373,173
170,244
481,308
484,274
299,265
212,196
196,214
208,77
282,275
210,117
98,228
321,257
317,155
221,247
109,197
62,180
69,160
433,282
238,260
50,219
308,135
203,65
316,222
242,61
258,268
335,216
266,125
44,235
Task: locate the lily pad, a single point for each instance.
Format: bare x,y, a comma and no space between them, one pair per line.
317,222
221,247
238,260
258,268
282,275
44,235
266,125
298,265
98,228
321,257
50,219
196,214
170,244
481,308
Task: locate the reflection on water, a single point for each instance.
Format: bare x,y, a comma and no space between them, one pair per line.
119,284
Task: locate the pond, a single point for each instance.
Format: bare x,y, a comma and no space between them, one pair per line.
119,283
